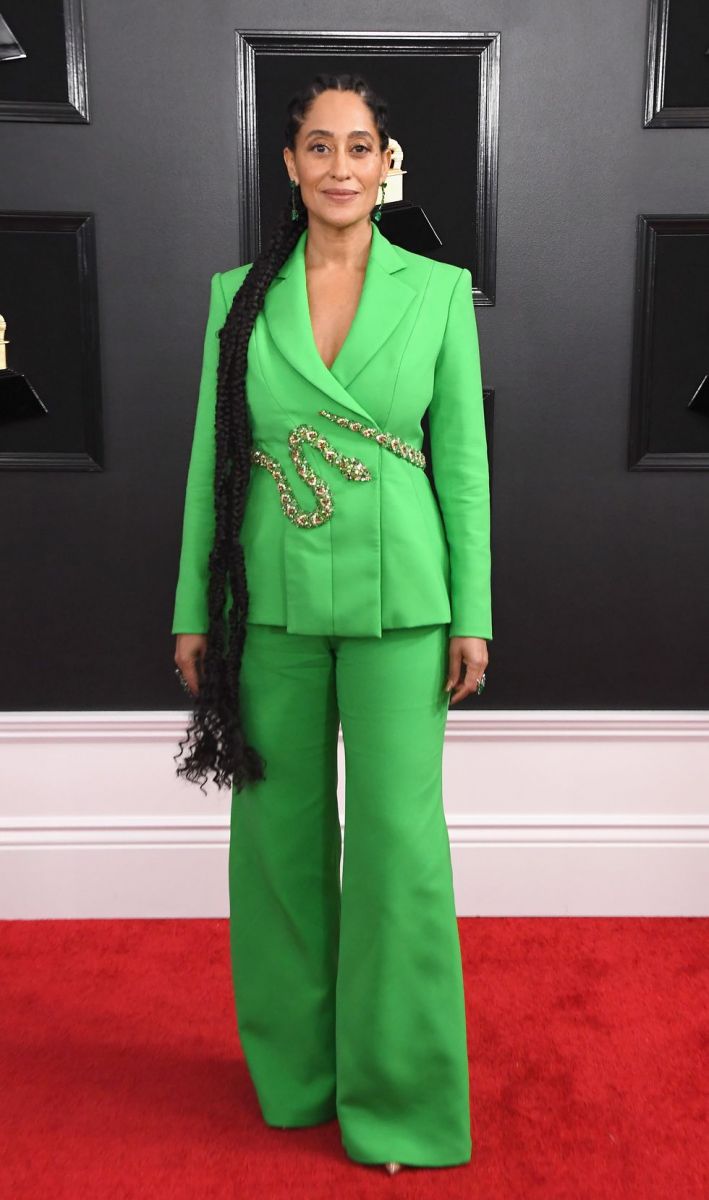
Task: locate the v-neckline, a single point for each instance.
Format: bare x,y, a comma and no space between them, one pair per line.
337,357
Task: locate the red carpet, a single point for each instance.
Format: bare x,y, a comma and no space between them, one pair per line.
121,1073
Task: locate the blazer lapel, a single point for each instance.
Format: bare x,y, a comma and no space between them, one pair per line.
383,302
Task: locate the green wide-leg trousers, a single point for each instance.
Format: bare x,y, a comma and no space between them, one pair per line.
349,996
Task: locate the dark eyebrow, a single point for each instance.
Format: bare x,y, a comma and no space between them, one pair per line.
329,133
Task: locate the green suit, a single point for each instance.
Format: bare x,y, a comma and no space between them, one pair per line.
349,994
389,557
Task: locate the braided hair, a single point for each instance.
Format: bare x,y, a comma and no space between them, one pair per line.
218,741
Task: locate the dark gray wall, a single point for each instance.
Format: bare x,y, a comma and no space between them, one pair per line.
600,575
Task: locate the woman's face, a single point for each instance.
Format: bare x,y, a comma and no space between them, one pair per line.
337,151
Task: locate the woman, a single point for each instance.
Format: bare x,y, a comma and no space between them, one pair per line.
367,600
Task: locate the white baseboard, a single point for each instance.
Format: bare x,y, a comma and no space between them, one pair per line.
549,814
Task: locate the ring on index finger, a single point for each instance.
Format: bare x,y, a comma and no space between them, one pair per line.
183,682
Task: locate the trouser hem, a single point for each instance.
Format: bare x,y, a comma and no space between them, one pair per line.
409,1162
290,1122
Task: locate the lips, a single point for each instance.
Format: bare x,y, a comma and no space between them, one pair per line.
338,192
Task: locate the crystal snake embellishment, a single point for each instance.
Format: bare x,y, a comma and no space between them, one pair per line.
353,469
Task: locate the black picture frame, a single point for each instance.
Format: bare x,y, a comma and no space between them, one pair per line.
49,83
457,161
669,410
49,299
677,71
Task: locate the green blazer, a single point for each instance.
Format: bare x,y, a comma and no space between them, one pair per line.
373,549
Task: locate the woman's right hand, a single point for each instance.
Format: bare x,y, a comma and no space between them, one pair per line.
189,649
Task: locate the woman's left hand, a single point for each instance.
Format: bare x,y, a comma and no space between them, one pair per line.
468,652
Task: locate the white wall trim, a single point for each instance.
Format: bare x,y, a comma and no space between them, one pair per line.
583,813
154,725
466,829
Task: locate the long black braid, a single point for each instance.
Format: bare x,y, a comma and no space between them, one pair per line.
218,741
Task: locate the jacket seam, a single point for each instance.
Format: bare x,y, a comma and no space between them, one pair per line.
458,278
220,277
408,342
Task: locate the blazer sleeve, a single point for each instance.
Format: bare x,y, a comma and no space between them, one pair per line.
460,464
190,610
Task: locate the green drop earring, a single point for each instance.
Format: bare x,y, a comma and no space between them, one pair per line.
293,209
378,212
